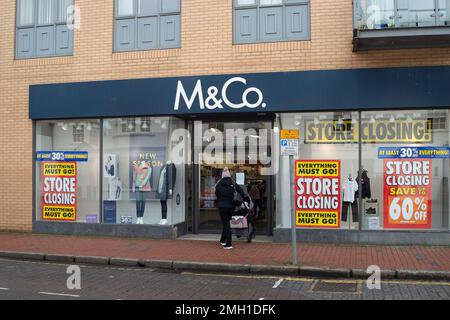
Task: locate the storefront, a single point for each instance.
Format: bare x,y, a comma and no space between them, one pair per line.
141,157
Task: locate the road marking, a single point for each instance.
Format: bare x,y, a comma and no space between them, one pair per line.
4,289
403,282
261,299
60,294
277,283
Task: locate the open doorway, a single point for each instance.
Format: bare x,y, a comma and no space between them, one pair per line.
243,147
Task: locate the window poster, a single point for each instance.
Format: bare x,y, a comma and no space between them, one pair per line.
59,191
317,193
407,193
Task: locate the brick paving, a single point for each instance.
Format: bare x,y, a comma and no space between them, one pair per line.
320,255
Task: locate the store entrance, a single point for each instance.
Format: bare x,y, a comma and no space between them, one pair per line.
245,149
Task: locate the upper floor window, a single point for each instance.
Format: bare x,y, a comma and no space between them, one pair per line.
43,28
271,20
147,24
383,14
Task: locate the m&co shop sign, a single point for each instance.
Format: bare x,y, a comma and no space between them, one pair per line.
59,191
380,131
317,193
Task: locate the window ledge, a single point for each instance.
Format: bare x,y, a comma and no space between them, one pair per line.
146,54
43,61
272,46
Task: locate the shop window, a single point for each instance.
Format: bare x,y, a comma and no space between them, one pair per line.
327,193
271,20
143,182
67,171
43,28
147,24
405,155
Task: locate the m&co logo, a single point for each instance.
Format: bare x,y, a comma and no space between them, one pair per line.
251,97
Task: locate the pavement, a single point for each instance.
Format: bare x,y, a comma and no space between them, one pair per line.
315,260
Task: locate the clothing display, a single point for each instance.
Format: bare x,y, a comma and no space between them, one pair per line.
166,181
140,203
350,189
163,209
166,184
142,177
345,207
365,186
141,184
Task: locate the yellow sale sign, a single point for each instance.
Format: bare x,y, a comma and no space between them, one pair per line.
59,191
317,193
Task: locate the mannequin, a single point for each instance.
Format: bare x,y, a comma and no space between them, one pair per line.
350,189
141,184
166,184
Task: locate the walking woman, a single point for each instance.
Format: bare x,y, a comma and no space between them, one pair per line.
225,189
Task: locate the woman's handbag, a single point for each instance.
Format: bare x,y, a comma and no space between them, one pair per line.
237,198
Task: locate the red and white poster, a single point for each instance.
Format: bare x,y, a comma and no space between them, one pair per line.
407,193
59,191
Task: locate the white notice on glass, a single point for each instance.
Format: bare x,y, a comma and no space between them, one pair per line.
240,178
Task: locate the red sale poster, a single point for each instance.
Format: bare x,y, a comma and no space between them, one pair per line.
407,193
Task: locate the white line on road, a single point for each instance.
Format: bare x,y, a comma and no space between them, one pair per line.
261,299
60,294
4,289
277,284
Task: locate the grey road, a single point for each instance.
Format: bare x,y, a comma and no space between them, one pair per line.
40,280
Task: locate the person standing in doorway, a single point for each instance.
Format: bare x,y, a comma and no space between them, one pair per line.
225,189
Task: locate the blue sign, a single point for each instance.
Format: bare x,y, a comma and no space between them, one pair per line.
327,90
284,143
126,220
414,152
109,212
79,156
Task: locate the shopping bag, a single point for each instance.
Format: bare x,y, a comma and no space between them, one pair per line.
238,222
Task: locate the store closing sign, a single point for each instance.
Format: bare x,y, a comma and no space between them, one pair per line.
317,193
59,191
407,193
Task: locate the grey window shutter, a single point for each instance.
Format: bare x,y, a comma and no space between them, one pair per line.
125,33
297,22
25,43
245,26
168,6
148,7
45,41
170,31
64,40
147,33
271,24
